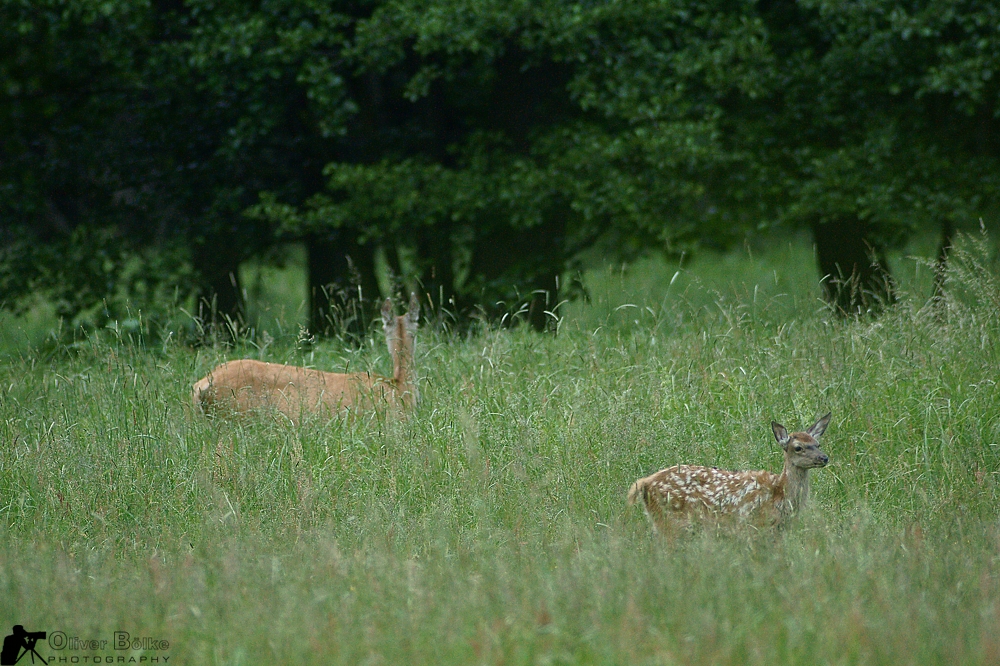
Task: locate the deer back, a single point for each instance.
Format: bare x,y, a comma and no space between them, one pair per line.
248,385
689,492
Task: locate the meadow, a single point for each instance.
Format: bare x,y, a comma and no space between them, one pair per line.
490,526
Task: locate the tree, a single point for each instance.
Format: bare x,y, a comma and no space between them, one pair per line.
477,148
134,129
77,207
878,123
495,141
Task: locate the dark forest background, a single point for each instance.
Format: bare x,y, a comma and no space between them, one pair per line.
476,149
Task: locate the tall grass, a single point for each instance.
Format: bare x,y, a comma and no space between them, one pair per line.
490,526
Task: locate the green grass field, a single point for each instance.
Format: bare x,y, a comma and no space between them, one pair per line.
491,527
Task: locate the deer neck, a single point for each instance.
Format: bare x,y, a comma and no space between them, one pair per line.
796,483
402,369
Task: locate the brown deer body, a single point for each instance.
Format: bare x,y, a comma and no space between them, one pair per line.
685,493
247,385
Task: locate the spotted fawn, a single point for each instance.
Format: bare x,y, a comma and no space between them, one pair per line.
683,494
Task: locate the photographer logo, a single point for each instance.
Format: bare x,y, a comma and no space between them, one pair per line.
19,640
77,650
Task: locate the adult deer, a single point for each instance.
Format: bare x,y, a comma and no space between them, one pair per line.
684,493
247,385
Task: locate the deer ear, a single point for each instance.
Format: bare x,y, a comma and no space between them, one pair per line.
387,312
780,433
819,427
414,313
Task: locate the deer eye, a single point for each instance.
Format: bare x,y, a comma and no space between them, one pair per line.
798,448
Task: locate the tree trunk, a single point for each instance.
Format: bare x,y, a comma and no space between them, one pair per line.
531,258
220,296
549,240
437,272
853,267
543,299
941,267
343,290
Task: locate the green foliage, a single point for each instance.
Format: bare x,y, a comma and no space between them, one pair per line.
515,136
872,130
483,146
154,123
66,72
94,281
